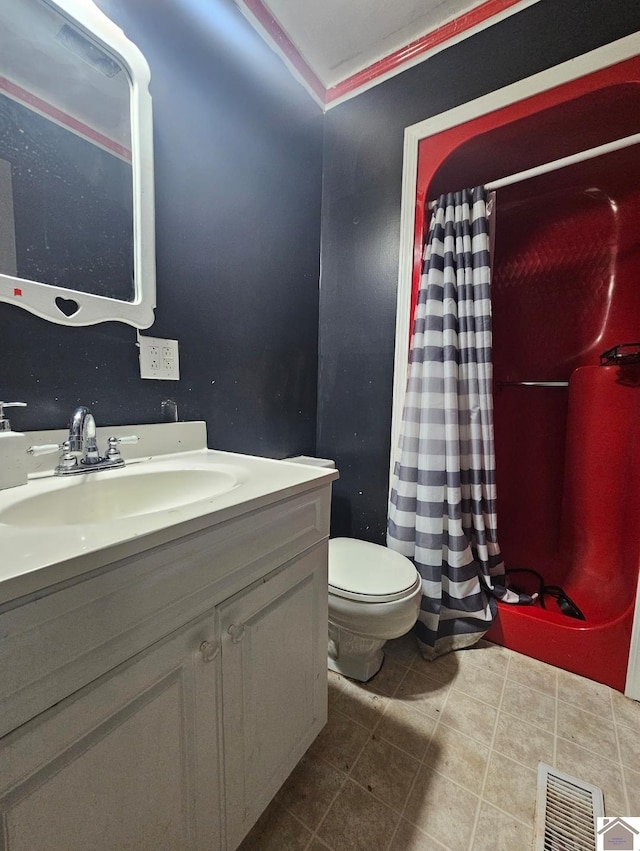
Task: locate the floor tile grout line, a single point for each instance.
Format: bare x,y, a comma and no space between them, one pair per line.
391,662
440,682
448,779
404,752
315,834
300,822
623,723
471,738
540,726
379,715
544,665
455,673
329,805
504,813
422,832
438,719
351,720
375,795
521,686
316,838
348,776
333,799
544,693
600,756
439,722
482,666
518,762
555,721
625,791
441,845
485,775
414,705
470,693
582,709
399,820
410,792
415,779
455,783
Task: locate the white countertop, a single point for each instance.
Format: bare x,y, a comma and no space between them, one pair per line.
38,555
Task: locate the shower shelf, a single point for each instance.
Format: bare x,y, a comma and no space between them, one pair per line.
532,383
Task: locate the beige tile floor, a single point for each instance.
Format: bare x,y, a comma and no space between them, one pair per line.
431,756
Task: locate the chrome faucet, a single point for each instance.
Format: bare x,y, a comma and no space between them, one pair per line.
80,451
82,436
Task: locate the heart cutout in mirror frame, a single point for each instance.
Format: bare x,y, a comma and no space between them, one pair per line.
68,306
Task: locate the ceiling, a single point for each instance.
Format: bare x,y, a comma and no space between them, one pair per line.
337,38
336,47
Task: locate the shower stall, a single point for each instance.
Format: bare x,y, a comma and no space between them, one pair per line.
566,289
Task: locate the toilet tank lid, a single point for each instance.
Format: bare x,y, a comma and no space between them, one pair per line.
359,567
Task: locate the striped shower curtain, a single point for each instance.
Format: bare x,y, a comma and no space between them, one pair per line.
442,510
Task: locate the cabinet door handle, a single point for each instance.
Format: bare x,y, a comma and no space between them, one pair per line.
209,650
236,631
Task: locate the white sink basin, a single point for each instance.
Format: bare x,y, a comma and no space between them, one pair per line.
115,494
56,528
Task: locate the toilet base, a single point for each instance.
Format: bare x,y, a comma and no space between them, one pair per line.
355,667
354,656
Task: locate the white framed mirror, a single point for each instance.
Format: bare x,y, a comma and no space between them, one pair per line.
77,234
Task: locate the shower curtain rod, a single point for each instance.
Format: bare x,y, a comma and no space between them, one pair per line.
554,165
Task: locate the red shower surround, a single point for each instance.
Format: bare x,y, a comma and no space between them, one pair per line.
565,288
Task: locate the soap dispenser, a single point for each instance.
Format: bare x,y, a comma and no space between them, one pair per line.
13,451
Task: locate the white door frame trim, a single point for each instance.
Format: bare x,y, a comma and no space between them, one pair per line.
595,60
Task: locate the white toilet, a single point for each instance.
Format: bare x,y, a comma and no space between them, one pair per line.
374,595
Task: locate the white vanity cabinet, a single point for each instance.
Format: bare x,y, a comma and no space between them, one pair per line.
159,702
274,684
129,762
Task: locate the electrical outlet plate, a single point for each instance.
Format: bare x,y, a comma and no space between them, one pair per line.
159,358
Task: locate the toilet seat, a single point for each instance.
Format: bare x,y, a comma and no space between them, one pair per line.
369,573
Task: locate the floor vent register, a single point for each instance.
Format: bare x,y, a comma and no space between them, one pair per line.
566,812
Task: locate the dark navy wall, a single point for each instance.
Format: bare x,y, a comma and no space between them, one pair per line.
238,149
238,158
361,227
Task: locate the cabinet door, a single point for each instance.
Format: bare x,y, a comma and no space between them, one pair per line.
128,763
274,672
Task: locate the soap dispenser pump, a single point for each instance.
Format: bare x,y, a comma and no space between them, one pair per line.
13,451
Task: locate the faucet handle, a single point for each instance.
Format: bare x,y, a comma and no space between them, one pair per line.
67,461
113,453
129,438
44,448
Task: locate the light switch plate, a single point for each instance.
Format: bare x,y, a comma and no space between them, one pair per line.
159,358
